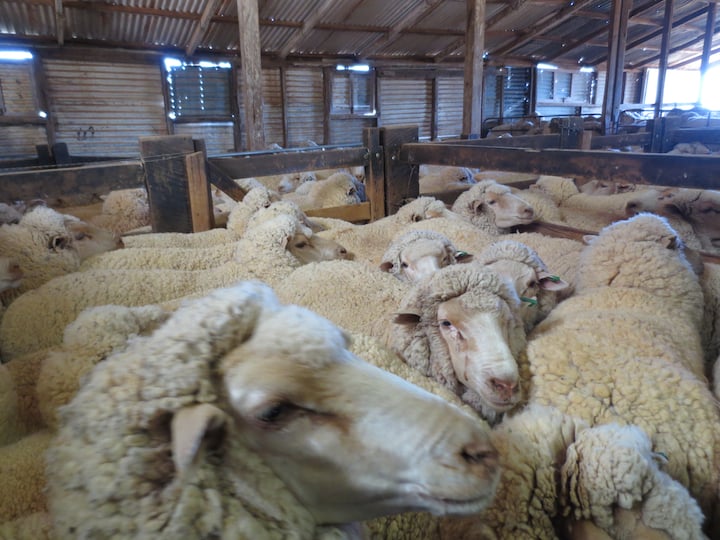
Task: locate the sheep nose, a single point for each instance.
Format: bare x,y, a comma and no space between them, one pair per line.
479,453
15,270
504,389
119,244
631,208
529,212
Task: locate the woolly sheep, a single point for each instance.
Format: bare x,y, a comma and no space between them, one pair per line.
536,286
416,254
637,303
186,240
9,214
368,242
545,209
445,178
462,326
492,207
124,210
265,252
224,388
336,190
10,274
606,470
606,187
35,526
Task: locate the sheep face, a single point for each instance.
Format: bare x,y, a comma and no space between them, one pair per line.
10,274
352,441
481,358
509,210
419,259
308,248
90,240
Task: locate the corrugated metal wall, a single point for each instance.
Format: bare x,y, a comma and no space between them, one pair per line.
272,107
450,106
405,101
102,109
218,136
305,103
349,130
19,98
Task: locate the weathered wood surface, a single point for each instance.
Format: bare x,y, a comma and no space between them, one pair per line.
374,173
522,141
251,164
660,169
71,185
351,212
201,208
401,179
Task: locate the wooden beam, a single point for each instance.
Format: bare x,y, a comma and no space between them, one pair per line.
409,20
664,50
617,38
251,73
474,58
59,22
374,173
509,9
543,25
198,188
308,24
202,26
645,168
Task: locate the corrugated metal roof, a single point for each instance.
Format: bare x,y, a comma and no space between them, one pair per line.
412,30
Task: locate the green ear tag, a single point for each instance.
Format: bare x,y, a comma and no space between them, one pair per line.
530,301
554,279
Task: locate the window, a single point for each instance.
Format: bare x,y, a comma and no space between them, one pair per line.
199,91
559,86
353,91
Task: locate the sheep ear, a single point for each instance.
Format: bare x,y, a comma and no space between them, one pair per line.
407,317
191,426
58,243
588,239
386,266
463,256
477,207
550,282
670,242
624,187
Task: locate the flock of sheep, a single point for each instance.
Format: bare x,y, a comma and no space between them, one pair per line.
432,374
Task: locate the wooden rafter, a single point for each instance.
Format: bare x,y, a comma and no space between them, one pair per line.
307,27
202,26
59,22
683,46
409,20
543,25
664,52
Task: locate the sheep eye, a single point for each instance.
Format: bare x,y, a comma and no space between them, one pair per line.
417,218
352,192
491,202
81,236
274,413
404,265
301,245
445,323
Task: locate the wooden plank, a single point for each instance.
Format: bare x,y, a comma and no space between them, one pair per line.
618,141
473,81
571,131
352,212
401,180
201,210
617,40
222,181
523,141
249,30
374,173
703,135
71,185
265,163
166,181
660,169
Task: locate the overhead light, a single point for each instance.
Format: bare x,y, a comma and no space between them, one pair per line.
587,69
15,55
363,68
543,65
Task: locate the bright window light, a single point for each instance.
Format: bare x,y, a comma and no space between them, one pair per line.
709,97
42,114
15,55
543,65
681,87
362,68
172,63
587,69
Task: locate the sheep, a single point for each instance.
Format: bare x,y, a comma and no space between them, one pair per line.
545,209
637,304
124,210
35,526
188,240
10,274
9,214
492,206
606,187
368,242
215,437
416,254
268,251
462,326
536,286
610,484
290,182
445,178
336,190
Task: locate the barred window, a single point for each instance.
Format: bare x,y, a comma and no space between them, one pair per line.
199,91
353,91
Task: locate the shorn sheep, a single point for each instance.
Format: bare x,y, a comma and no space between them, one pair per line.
490,201
637,308
336,190
235,429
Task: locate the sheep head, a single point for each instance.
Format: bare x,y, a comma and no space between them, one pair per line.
490,201
419,253
462,327
10,274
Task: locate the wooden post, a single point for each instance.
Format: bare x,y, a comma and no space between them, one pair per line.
201,210
248,20
617,37
374,173
707,44
664,50
60,153
571,130
401,179
166,181
473,84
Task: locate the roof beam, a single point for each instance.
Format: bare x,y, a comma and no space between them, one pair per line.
664,52
251,72
473,80
307,27
543,25
409,20
681,47
201,27
59,22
